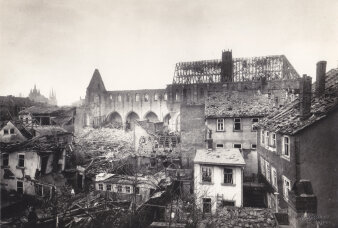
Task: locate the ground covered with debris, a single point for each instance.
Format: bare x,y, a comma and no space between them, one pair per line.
97,149
240,217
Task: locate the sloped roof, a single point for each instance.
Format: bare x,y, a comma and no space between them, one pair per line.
96,83
238,104
288,121
220,156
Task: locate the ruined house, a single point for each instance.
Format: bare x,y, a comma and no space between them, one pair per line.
14,133
137,188
31,167
297,153
180,106
39,117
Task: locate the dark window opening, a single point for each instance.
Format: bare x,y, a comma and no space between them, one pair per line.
137,190
11,131
206,205
19,187
5,159
5,132
206,174
237,124
21,162
239,146
226,203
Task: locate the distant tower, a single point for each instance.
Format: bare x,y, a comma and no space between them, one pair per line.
52,98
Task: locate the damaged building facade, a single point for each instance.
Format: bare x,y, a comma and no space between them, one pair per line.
25,166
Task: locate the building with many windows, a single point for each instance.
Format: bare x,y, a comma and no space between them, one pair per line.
298,154
218,178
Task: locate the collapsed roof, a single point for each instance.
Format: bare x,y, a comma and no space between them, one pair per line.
275,67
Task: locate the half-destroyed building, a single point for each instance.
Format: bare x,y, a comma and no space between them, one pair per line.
26,166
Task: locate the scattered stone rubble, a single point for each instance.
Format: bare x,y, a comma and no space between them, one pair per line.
233,217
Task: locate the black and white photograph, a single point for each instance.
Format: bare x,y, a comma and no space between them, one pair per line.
169,113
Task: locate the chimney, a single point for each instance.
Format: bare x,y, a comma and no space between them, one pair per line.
226,66
320,77
305,97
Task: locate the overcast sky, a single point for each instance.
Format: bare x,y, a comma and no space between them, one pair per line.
135,44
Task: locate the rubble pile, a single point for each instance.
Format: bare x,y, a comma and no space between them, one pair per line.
242,217
91,210
101,147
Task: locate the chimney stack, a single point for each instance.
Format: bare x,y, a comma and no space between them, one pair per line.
226,66
305,97
320,77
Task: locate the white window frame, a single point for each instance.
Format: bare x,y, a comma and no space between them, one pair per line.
253,122
286,188
232,178
267,134
262,137
128,191
263,166
118,187
284,155
273,139
220,124
211,176
209,203
240,124
274,178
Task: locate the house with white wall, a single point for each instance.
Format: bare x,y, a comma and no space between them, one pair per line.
218,178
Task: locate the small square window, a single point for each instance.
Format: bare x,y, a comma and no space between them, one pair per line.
119,188
219,145
137,190
237,124
11,131
253,146
239,146
5,131
127,189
